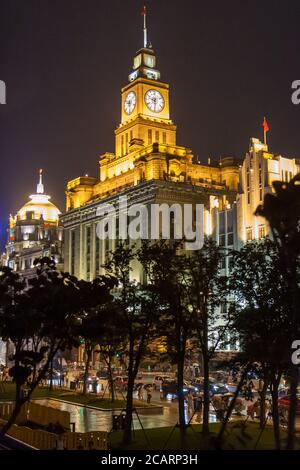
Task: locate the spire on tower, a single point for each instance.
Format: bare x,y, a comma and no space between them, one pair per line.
144,62
40,186
144,14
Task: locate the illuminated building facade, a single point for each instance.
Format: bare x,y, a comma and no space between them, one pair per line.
34,232
259,169
147,166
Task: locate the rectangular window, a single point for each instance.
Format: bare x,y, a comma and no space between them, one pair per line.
260,194
164,137
222,240
88,252
223,263
230,263
149,136
248,180
249,236
230,238
106,249
156,136
97,257
126,143
122,145
261,231
222,222
72,252
131,136
248,197
229,221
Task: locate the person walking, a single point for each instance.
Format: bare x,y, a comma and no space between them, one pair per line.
66,379
190,402
141,393
149,395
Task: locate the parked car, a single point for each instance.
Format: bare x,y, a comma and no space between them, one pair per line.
214,388
169,387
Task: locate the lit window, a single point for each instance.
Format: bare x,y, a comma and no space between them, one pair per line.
249,235
230,239
149,136
261,231
157,136
164,137
222,240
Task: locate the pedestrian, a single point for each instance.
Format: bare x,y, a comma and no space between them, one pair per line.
149,395
141,393
190,402
66,379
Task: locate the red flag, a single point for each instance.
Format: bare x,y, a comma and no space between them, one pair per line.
144,11
265,125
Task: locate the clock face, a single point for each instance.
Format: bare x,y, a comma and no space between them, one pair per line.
130,102
154,100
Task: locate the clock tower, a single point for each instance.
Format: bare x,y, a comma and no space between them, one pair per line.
145,115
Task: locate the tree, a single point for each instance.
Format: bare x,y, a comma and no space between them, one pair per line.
207,292
43,312
95,299
282,211
137,305
112,344
262,316
165,266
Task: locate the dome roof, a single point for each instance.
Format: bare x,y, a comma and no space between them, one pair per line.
40,206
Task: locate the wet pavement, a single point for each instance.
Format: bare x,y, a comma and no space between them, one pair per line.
87,419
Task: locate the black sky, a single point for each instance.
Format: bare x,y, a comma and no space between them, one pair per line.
229,63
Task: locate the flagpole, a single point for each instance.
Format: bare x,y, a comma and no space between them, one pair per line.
265,137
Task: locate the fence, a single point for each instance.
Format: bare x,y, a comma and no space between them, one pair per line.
39,414
44,440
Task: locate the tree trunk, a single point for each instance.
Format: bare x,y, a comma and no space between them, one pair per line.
206,398
129,408
180,394
262,394
51,376
293,408
111,381
230,410
21,400
88,351
275,412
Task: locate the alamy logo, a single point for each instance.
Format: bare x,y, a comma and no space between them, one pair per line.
295,358
152,222
296,94
2,92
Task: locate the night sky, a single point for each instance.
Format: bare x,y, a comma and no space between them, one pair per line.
229,63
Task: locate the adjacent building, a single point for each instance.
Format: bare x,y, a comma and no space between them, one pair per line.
34,231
